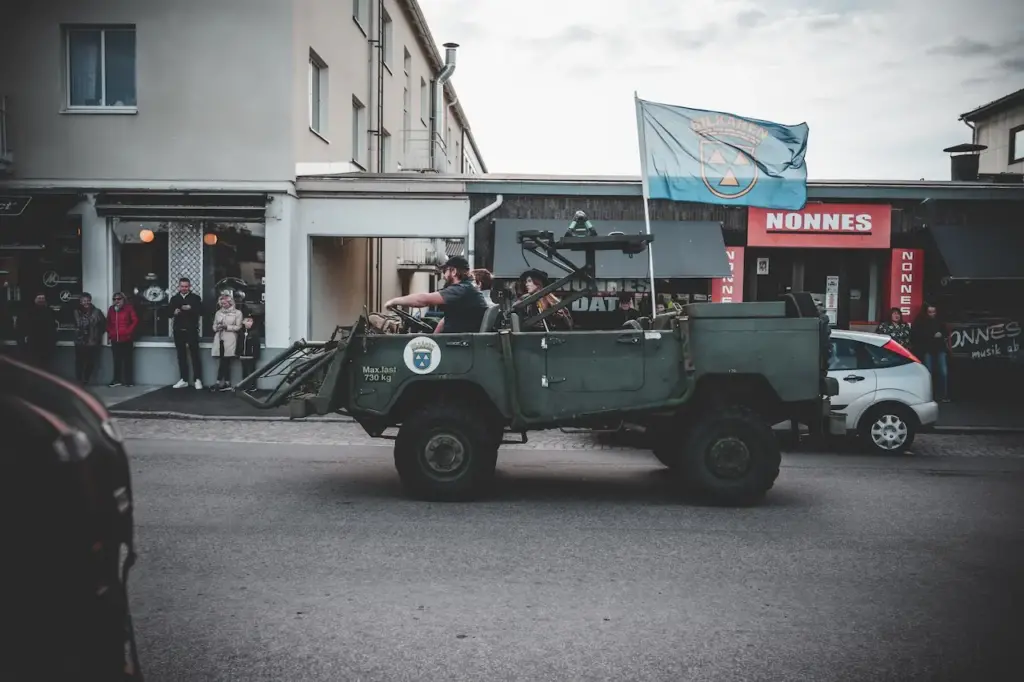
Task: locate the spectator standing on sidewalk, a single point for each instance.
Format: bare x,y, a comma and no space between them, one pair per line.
227,322
896,328
248,346
90,326
121,325
37,333
186,309
931,343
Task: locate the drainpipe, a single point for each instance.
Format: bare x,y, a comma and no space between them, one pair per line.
471,228
372,124
438,101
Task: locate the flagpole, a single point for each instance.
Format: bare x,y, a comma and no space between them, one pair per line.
644,190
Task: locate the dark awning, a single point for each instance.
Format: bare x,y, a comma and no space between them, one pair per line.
688,250
184,206
981,252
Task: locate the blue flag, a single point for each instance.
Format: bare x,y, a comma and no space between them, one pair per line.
712,157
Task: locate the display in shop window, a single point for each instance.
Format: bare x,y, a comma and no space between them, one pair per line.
234,264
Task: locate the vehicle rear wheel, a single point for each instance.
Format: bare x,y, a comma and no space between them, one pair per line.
445,453
731,457
665,437
888,429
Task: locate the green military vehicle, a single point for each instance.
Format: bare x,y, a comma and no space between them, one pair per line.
706,385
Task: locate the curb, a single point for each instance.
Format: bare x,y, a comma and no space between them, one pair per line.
975,430
185,416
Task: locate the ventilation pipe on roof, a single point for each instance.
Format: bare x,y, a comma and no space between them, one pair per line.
437,162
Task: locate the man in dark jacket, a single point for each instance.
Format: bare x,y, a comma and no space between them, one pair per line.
37,333
90,326
930,342
185,309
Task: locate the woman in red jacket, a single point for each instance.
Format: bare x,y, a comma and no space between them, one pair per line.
121,324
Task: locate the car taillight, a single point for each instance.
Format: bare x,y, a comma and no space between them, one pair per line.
900,350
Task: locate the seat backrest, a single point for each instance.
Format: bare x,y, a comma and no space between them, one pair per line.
645,322
632,324
800,304
514,319
490,320
664,320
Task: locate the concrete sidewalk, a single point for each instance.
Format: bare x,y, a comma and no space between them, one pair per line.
156,402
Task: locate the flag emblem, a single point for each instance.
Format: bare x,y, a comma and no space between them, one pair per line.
729,170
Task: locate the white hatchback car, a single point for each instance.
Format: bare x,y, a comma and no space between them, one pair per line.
884,391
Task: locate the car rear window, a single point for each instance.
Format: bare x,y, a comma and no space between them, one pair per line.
883,357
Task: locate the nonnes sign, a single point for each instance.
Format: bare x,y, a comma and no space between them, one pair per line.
826,226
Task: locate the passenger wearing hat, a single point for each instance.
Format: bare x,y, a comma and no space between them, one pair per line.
532,281
464,305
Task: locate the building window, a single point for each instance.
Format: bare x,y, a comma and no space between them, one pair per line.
406,121
100,67
424,102
386,38
234,263
143,264
359,133
448,146
317,94
40,256
385,146
361,13
406,62
1017,144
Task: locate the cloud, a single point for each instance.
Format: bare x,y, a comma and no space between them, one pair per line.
881,95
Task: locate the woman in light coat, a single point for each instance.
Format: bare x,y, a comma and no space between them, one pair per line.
226,324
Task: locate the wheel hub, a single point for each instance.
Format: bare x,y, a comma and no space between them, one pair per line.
889,432
444,454
729,458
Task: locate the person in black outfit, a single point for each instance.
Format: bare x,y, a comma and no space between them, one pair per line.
248,346
626,311
464,305
37,333
930,342
185,309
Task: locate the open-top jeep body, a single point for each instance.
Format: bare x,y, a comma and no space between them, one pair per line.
706,385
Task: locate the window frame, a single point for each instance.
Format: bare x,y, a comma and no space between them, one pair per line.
864,361
877,353
387,39
424,101
359,133
318,69
1016,155
386,150
102,29
361,14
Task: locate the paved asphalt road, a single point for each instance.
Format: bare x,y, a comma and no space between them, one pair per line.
287,562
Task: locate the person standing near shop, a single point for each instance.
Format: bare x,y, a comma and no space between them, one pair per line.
121,325
896,328
37,333
931,343
90,325
227,322
186,310
248,346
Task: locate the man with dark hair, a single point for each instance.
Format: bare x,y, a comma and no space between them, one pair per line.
464,305
186,309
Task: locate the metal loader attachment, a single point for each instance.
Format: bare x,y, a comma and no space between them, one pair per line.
299,375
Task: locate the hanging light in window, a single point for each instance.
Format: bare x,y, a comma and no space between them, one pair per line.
209,239
146,236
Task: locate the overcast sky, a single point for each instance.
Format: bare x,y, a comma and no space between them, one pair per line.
548,84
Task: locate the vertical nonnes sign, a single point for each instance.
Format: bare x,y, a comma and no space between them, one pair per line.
906,283
730,289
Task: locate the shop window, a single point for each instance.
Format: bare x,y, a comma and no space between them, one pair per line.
234,263
142,254
40,258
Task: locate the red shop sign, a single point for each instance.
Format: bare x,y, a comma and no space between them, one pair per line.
906,282
730,289
821,226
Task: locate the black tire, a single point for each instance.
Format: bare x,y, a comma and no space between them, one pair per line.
888,429
756,457
421,447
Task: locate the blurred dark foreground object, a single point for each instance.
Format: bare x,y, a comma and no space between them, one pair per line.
68,533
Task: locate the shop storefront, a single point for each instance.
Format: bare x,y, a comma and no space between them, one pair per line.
840,253
687,256
40,254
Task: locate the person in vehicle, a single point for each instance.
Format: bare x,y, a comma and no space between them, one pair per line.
463,304
896,328
626,310
535,280
484,281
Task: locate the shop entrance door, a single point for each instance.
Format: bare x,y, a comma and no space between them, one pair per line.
768,287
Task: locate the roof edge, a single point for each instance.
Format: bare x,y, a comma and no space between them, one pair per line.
995,105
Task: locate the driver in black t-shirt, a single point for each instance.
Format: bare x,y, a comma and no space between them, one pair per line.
464,305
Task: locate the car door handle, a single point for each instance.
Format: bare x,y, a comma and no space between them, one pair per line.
628,339
853,378
462,344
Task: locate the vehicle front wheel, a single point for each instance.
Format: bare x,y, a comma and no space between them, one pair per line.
888,429
731,457
445,453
